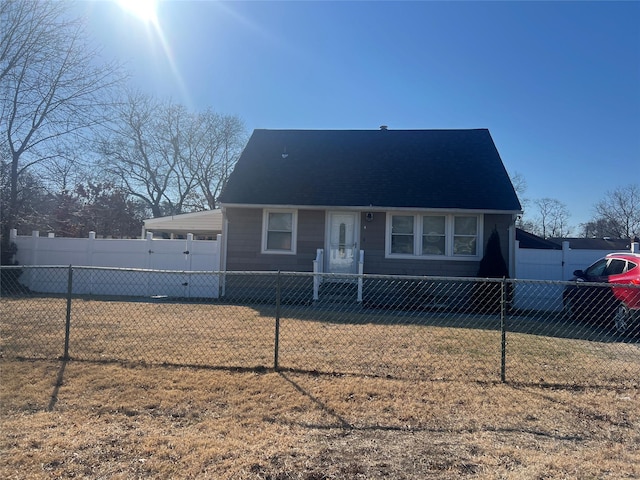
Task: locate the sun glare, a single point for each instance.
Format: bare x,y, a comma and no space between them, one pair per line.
144,10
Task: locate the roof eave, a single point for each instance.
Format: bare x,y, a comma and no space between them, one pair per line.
369,208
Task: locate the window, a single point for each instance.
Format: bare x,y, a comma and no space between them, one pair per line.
402,234
465,234
433,236
615,267
342,240
597,269
279,231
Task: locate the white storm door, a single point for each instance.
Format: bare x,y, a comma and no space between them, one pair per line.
342,245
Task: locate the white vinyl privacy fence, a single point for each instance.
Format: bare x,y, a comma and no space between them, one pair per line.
191,263
147,267
544,264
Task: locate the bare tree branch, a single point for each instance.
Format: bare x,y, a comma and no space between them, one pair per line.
172,159
51,92
553,218
618,213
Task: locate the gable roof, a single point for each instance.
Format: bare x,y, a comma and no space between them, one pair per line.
529,240
448,169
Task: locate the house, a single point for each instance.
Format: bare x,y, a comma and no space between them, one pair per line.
205,225
530,241
407,202
606,244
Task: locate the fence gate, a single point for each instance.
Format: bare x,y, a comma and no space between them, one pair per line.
164,256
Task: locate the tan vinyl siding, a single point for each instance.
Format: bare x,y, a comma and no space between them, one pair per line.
373,243
244,239
244,242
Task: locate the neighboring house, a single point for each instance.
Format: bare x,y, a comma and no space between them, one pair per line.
530,241
607,244
203,225
409,202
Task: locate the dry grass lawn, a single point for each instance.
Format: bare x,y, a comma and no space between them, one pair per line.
364,399
409,345
117,421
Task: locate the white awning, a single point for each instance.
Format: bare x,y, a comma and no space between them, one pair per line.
208,222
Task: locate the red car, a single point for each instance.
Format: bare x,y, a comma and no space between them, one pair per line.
589,299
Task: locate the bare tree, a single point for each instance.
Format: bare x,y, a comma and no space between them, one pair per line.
553,218
143,153
171,159
599,228
221,138
519,184
51,90
617,214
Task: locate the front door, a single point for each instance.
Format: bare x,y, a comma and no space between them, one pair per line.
342,245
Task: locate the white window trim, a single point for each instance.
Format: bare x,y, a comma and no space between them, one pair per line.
294,231
449,237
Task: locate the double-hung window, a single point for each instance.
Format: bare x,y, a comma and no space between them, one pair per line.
433,235
402,237
279,231
465,235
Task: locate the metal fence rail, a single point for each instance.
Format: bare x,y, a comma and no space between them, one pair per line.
420,328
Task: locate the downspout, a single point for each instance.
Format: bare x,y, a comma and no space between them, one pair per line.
222,287
512,246
225,236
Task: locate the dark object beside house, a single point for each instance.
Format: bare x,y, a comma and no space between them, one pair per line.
487,296
9,278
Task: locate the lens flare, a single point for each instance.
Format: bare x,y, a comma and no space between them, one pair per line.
147,12
144,10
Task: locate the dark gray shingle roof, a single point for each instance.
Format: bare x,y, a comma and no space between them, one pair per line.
380,168
529,240
610,244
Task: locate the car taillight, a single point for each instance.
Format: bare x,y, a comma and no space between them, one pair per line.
635,281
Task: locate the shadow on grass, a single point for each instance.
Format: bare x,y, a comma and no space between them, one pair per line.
545,324
343,424
532,322
340,422
58,384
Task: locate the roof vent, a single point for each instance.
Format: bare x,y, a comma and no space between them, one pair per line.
383,127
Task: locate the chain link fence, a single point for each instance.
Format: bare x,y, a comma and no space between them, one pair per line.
422,328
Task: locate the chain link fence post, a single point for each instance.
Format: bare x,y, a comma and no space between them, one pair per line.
277,334
503,330
67,328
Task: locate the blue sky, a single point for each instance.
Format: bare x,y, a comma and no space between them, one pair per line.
556,83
